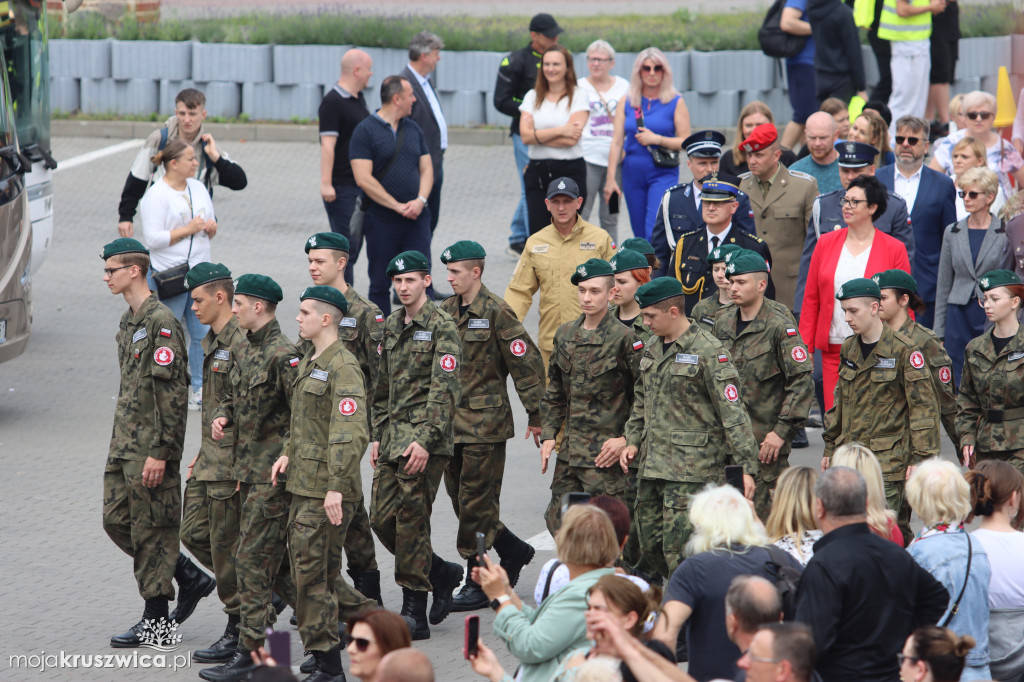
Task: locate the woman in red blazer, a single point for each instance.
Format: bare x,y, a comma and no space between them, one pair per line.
858,250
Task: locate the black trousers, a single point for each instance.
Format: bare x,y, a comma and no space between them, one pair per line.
538,175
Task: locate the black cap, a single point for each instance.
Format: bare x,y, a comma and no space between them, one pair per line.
546,24
563,186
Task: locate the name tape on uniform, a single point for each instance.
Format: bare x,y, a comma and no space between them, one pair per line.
588,246
139,335
422,336
687,358
886,363
222,354
318,374
347,322
479,323
1015,356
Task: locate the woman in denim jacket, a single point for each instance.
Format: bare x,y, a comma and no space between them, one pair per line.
941,497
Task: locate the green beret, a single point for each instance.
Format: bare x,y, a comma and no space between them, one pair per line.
408,261
862,287
638,244
204,273
463,250
123,245
895,279
627,259
723,253
259,286
328,295
744,262
658,290
998,278
595,267
327,240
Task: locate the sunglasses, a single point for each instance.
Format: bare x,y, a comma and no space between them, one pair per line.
361,644
971,194
657,68
900,139
983,115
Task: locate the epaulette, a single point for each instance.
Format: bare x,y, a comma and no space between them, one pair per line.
800,174
744,175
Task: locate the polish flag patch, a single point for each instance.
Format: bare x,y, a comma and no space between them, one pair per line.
347,407
790,331
731,393
722,357
916,359
378,318
638,344
945,375
294,362
517,348
163,356
164,331
448,363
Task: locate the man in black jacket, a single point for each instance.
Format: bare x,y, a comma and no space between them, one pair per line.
517,75
838,65
861,595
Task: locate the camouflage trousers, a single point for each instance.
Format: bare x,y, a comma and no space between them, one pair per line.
400,516
209,530
573,479
1014,458
360,551
896,499
662,518
632,559
473,480
261,563
322,596
143,522
764,482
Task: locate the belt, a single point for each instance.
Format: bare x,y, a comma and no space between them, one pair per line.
999,416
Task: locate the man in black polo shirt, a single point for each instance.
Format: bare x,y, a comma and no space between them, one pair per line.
396,182
342,108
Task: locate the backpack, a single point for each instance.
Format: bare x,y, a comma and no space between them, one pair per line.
204,162
786,578
773,40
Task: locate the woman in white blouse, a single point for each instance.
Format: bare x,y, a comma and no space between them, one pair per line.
178,224
554,114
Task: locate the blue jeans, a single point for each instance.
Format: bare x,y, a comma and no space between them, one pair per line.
387,235
520,227
339,215
181,306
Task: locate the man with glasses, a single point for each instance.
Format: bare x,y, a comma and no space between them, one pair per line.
931,201
780,652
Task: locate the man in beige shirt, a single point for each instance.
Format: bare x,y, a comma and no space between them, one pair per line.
549,260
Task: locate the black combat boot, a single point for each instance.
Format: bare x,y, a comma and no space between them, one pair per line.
514,554
800,440
278,603
471,597
223,649
445,576
154,621
235,670
310,663
327,668
367,583
414,610
193,585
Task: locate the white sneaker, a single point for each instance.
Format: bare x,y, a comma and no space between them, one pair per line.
195,400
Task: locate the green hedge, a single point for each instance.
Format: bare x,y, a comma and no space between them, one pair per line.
682,30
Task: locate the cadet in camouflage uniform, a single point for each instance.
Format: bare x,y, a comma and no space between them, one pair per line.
141,483
594,363
687,424
414,406
643,247
258,409
884,397
360,331
212,505
990,409
705,310
894,285
631,270
494,345
326,441
773,364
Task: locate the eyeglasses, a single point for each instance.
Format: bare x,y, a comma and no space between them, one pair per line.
657,68
900,139
758,659
852,203
900,657
983,115
361,643
109,272
971,194
599,60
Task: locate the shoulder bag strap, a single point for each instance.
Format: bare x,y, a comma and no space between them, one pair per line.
547,583
967,576
193,211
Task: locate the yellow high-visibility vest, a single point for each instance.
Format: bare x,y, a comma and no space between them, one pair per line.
896,28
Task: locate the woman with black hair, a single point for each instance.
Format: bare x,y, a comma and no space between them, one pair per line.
934,654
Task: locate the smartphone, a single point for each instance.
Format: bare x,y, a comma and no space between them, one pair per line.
481,549
734,476
613,204
639,115
279,646
469,649
569,499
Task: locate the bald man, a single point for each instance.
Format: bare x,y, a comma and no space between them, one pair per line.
822,163
342,108
405,665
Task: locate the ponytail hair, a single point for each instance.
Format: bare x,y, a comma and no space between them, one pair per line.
993,482
624,595
943,651
171,151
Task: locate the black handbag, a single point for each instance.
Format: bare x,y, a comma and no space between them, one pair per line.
665,158
171,282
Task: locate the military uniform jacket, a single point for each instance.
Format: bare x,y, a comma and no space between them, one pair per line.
494,345
887,402
679,214
259,403
775,370
152,400
216,457
328,434
638,326
990,409
418,386
590,387
706,310
940,367
690,265
687,418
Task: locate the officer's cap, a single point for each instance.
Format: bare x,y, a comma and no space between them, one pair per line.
328,295
719,187
595,267
204,273
744,262
658,290
123,245
895,279
626,259
760,138
565,187
855,154
704,144
998,278
463,250
638,244
723,253
259,286
862,287
408,261
327,240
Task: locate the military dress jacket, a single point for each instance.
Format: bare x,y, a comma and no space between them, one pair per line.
990,409
688,420
940,367
216,457
590,387
887,402
328,433
152,400
494,345
418,386
690,264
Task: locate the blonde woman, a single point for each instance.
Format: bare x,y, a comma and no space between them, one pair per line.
791,523
881,519
969,153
